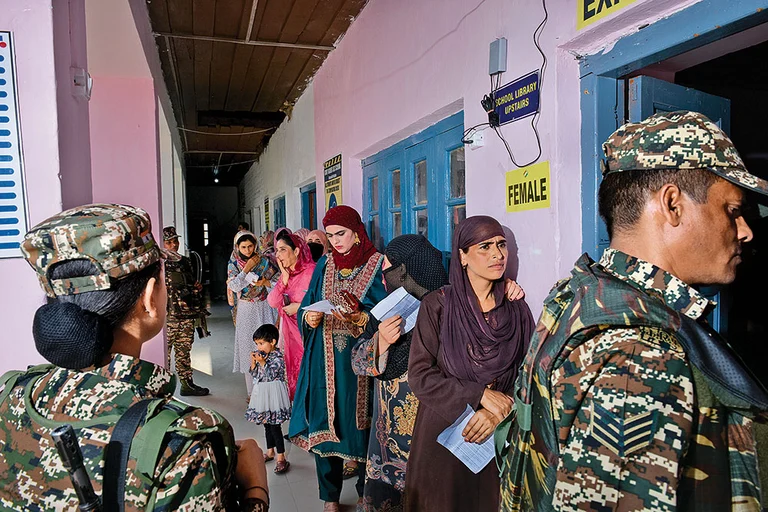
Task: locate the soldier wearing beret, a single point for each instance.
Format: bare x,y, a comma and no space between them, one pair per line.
185,306
103,273
627,399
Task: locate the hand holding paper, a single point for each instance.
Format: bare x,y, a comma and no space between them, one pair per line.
323,306
398,303
474,456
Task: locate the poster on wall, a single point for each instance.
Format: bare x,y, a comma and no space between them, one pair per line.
266,214
529,188
13,207
332,180
589,11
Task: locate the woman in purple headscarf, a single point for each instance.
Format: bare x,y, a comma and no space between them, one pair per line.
467,345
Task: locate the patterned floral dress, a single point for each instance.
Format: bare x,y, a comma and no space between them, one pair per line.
269,401
394,414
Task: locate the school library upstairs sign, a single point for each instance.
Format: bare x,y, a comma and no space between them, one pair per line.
589,11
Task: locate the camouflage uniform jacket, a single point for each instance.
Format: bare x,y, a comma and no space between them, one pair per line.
183,300
186,476
613,415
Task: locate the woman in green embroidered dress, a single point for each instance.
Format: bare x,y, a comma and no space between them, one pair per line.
330,412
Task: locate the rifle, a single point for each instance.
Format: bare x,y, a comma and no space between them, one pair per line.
69,450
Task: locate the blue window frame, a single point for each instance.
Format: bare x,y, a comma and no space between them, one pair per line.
602,88
417,185
309,206
604,106
279,213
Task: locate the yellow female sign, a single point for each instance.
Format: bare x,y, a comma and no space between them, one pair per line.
528,188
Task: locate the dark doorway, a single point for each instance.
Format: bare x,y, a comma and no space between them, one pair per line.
742,77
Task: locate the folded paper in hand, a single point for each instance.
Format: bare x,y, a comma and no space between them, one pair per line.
251,278
323,306
474,456
401,303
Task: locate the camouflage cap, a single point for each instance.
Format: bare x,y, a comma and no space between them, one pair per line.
678,140
169,233
117,239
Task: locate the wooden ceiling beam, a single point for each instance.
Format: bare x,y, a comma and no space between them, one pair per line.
214,151
274,44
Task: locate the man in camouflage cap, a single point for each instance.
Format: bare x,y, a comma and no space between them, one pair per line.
185,306
102,271
627,400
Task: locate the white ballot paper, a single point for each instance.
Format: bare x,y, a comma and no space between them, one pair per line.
323,306
399,302
474,456
251,278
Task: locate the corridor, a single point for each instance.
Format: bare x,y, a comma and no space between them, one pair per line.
294,491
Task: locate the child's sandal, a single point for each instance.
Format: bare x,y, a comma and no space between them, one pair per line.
282,466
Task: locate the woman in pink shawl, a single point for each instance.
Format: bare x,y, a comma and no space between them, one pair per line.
296,266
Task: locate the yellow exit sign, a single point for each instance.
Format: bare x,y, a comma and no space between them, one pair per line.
589,11
529,188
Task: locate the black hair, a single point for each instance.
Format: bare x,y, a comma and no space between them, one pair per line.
286,238
622,195
267,332
246,226
75,331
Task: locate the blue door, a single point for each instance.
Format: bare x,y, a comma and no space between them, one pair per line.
309,206
279,213
648,96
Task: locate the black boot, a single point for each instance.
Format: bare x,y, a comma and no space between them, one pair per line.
188,388
201,388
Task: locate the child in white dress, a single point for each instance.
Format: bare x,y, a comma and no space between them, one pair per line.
269,404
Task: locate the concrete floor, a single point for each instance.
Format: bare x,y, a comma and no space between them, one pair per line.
294,491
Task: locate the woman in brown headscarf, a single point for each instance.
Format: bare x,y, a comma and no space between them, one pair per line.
467,345
330,411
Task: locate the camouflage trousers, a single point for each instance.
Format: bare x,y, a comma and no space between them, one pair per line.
181,334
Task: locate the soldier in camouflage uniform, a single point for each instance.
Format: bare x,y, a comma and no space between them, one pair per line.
185,305
99,266
627,400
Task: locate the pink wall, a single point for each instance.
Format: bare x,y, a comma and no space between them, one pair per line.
124,155
31,22
74,145
406,64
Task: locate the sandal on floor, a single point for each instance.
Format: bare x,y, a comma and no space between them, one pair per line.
282,466
350,470
267,458
331,506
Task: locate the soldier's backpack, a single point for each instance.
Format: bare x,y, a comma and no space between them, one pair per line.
153,418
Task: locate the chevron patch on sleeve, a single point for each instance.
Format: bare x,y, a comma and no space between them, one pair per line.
622,436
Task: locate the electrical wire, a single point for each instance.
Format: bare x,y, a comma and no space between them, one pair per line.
464,139
535,117
222,165
189,130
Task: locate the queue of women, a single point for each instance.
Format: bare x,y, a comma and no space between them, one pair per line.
367,391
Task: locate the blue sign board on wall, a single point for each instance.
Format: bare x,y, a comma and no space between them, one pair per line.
13,211
518,99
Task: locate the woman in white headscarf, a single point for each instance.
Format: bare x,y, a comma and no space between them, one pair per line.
249,277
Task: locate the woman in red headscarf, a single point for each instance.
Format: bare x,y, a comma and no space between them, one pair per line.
330,412
296,267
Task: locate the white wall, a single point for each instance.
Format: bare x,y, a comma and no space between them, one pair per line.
286,165
171,175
